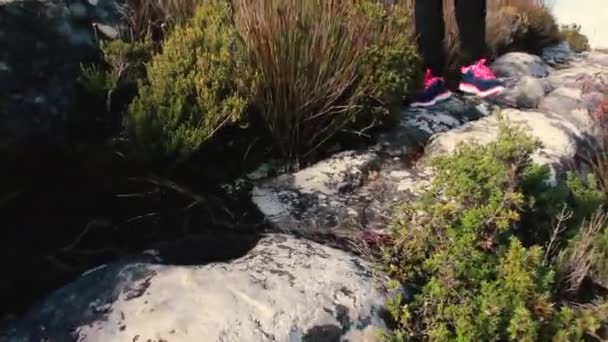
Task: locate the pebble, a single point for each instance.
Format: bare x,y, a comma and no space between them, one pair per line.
78,11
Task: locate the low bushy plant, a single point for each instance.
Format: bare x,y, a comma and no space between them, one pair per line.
585,256
390,64
526,26
543,29
123,68
321,65
464,256
191,88
599,263
572,34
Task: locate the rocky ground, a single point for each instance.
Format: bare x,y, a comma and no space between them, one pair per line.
359,187
286,288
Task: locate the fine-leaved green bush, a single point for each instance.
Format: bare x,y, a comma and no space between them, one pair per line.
390,64
521,27
572,34
463,253
313,65
599,263
585,256
123,68
191,88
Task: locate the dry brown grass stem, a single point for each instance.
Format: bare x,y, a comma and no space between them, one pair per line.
575,262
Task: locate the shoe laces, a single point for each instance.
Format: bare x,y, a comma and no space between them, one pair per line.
480,70
430,80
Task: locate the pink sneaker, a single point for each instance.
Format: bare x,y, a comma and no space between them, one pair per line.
434,91
479,80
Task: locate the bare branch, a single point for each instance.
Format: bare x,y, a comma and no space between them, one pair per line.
559,227
575,263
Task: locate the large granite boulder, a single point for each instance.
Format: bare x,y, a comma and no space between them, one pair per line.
284,289
42,46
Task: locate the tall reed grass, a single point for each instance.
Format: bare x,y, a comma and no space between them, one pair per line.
310,60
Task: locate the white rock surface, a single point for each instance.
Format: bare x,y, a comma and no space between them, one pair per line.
356,188
559,135
285,289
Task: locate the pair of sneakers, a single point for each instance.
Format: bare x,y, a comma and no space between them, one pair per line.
477,79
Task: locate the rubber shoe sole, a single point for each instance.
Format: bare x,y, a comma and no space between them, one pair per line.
440,98
471,89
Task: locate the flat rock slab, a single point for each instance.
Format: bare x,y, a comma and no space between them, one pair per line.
284,289
560,135
358,189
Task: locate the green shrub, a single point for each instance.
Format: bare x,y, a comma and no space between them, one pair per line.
460,249
543,29
312,60
192,87
572,34
599,262
124,68
586,195
585,256
503,27
391,64
521,27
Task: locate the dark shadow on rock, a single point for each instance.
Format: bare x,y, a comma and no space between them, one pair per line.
62,312
89,297
323,333
207,247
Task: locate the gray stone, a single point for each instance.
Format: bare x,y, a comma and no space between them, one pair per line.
107,31
284,289
567,102
78,11
518,64
558,54
525,92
